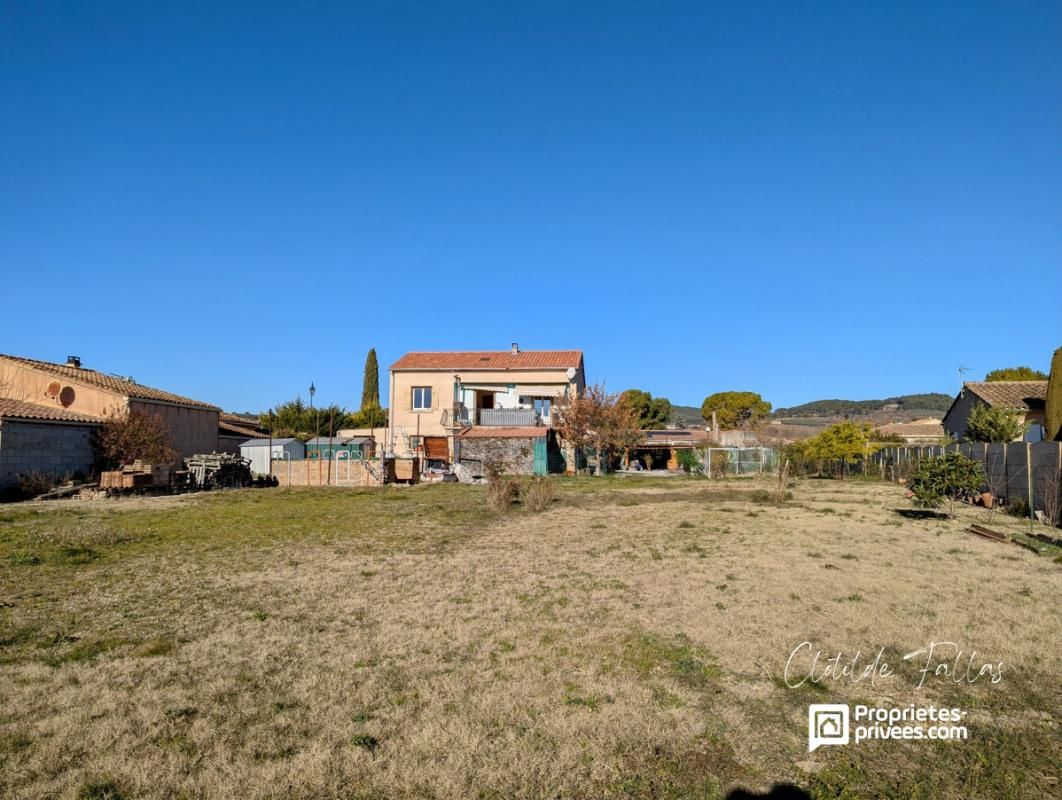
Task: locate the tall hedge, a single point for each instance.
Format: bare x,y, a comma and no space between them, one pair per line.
370,387
1053,417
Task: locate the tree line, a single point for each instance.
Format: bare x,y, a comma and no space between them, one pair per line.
297,418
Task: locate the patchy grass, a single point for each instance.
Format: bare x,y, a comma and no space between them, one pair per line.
626,642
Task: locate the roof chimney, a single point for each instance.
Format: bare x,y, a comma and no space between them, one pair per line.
516,348
73,361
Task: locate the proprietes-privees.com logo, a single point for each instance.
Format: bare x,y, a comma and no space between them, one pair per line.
838,724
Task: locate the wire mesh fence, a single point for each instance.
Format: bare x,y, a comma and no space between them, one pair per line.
720,462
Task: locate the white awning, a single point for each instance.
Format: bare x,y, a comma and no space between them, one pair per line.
542,390
486,387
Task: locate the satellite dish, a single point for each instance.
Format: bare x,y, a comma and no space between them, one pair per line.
53,389
66,396
571,373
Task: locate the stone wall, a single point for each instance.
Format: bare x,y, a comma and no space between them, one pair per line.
43,447
316,472
517,456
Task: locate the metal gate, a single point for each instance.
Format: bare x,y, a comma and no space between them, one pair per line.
541,458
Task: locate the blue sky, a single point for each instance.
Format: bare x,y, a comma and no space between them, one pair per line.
808,200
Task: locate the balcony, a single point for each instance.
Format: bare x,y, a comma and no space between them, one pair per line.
508,417
459,417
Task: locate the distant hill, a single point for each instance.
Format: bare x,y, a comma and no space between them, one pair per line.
687,416
934,404
820,412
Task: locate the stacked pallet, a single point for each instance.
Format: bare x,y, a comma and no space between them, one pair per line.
138,475
215,470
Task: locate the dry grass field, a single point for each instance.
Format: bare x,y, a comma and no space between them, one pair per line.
628,642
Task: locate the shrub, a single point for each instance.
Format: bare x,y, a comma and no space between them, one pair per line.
539,493
35,483
948,477
1053,403
688,460
502,490
135,434
1017,507
994,424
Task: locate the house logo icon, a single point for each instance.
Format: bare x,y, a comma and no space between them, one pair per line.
827,724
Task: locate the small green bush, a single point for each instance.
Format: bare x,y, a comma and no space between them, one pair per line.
689,461
949,477
1017,507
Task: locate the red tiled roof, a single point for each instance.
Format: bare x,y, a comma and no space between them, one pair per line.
19,409
492,359
112,383
1009,394
490,432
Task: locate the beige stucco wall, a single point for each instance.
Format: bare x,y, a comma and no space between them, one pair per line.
404,420
30,385
194,430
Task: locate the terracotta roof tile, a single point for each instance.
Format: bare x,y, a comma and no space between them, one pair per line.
19,409
491,359
111,383
491,432
241,428
1009,394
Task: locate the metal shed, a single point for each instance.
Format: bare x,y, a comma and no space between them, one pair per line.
257,450
327,448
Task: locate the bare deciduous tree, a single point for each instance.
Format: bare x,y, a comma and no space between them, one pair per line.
126,436
1049,489
599,420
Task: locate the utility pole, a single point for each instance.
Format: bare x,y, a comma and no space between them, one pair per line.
331,428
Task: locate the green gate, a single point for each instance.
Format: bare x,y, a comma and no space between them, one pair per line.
541,463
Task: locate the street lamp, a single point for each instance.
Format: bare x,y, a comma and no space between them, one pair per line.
317,428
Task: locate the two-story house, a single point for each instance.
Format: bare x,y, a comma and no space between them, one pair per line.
481,406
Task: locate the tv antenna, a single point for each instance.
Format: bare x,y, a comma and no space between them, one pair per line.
962,374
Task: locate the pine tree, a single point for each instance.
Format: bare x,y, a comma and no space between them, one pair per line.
370,388
1053,415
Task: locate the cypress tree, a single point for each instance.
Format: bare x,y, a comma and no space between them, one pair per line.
1053,414
370,387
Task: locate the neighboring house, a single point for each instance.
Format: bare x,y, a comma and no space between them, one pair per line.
1028,397
919,431
507,397
36,438
70,387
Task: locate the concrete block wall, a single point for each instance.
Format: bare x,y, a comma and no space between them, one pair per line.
315,472
26,447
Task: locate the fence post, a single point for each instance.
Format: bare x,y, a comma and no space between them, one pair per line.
1029,472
